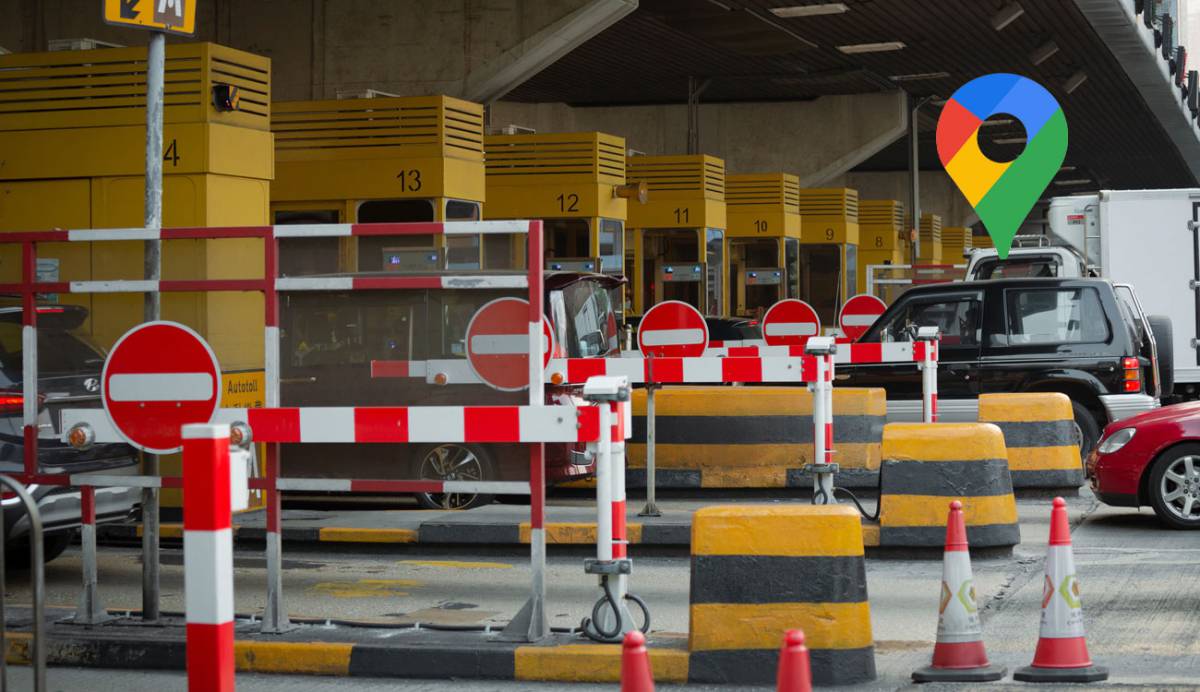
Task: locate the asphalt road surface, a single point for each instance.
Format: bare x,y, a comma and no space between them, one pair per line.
1140,585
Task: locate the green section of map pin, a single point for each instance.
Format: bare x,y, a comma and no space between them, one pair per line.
1006,205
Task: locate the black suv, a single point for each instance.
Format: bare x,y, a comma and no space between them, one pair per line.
1074,336
69,367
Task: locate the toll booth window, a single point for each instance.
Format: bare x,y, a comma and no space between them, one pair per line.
307,256
791,249
371,248
462,210
822,277
567,238
591,321
345,331
462,252
612,239
715,256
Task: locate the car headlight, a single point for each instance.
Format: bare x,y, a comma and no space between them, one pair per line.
1117,440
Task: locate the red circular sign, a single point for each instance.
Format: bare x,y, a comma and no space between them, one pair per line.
790,322
859,313
160,377
673,329
498,344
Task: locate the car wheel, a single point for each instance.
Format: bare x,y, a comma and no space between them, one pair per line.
454,462
1089,429
16,553
1175,487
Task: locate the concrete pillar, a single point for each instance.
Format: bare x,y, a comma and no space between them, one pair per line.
474,49
749,136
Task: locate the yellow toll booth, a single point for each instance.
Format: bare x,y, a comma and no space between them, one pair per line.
930,250
378,160
828,249
72,141
675,243
575,183
982,240
763,212
956,243
881,229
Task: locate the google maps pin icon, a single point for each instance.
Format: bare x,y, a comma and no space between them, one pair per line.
1002,193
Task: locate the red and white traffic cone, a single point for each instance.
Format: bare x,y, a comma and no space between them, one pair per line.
1062,654
958,655
795,673
635,664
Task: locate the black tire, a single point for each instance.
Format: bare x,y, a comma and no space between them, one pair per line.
1176,502
1089,429
16,553
454,461
1164,334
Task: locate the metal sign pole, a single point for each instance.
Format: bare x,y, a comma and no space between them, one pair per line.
651,508
152,308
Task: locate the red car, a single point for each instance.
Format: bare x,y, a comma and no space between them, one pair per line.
1152,459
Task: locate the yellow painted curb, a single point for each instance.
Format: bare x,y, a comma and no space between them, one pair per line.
942,441
1025,407
725,626
593,663
311,658
352,535
576,533
930,510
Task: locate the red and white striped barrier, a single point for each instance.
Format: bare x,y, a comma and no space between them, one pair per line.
698,370
847,354
208,558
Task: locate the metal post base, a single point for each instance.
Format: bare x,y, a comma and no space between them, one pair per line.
650,510
275,617
528,625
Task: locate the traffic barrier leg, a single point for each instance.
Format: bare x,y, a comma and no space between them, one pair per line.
90,612
275,617
929,395
611,618
208,558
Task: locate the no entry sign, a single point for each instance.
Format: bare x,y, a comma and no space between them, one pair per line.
790,322
498,344
673,329
159,377
859,313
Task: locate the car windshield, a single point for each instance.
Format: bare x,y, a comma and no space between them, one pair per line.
591,323
1018,267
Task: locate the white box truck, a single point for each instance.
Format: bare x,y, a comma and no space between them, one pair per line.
1144,238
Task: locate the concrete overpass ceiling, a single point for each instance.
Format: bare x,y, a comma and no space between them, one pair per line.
749,53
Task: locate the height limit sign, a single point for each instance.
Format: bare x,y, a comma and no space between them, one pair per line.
170,16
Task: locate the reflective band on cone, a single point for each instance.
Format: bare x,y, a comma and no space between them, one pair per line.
1062,654
959,655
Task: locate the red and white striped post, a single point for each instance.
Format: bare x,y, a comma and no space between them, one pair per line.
927,338
823,349
208,558
90,611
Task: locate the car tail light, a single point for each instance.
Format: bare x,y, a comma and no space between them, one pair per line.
1133,374
13,402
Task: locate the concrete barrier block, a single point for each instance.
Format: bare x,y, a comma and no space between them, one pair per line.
753,437
1041,437
926,465
758,571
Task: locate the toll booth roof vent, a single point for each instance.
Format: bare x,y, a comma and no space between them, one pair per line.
956,240
591,155
421,125
881,212
837,202
107,87
931,227
780,189
694,173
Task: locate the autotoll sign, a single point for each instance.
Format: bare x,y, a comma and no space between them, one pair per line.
859,313
498,344
170,16
159,377
673,329
790,322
